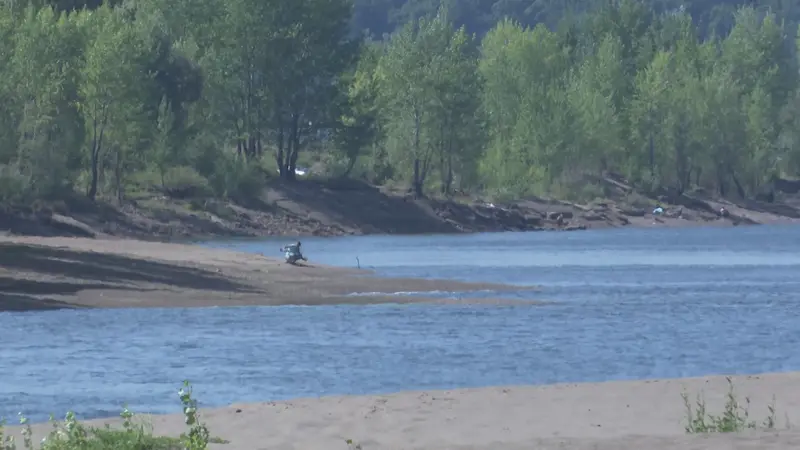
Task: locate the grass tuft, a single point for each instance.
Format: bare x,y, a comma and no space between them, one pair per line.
353,445
735,416
72,435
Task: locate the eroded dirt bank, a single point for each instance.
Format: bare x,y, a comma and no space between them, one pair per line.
349,207
50,273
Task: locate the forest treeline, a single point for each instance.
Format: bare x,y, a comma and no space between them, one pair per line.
380,17
213,97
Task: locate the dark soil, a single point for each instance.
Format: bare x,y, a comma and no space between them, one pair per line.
349,207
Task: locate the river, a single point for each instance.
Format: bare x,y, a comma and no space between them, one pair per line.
621,304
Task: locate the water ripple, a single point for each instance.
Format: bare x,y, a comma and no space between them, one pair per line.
614,321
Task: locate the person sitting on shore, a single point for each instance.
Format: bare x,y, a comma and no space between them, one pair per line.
294,250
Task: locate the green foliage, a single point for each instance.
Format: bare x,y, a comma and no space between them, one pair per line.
479,16
735,416
73,435
236,178
185,182
197,98
358,124
198,436
529,123
645,98
15,188
428,84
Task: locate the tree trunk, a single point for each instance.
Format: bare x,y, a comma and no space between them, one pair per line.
448,186
652,156
293,163
279,150
238,130
687,182
442,159
720,182
417,179
92,194
118,175
442,172
739,188
681,170
97,143
294,149
417,183
351,163
257,134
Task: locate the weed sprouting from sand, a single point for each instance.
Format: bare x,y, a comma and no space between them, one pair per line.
735,416
27,433
769,422
6,442
198,436
353,445
72,435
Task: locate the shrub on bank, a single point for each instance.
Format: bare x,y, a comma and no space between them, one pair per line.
72,435
735,416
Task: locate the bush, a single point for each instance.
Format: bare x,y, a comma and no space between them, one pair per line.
72,435
185,182
237,178
735,416
14,186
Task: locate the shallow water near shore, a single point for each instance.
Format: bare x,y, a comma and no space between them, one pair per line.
624,304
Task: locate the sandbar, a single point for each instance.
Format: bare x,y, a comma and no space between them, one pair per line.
622,415
61,272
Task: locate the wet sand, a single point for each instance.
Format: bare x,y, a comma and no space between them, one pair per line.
631,415
58,272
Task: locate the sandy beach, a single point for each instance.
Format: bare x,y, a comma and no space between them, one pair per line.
625,415
59,272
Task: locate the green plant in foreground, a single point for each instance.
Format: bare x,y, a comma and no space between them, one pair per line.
735,416
198,436
72,435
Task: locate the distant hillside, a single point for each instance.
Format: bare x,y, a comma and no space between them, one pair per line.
478,16
378,17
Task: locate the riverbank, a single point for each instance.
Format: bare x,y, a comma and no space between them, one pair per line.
335,208
50,273
611,416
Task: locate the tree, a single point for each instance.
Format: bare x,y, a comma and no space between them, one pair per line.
44,67
723,130
114,82
761,137
596,94
8,106
757,55
524,99
128,94
359,123
426,78
456,121
312,43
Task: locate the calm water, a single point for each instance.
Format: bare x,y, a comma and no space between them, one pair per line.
626,304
